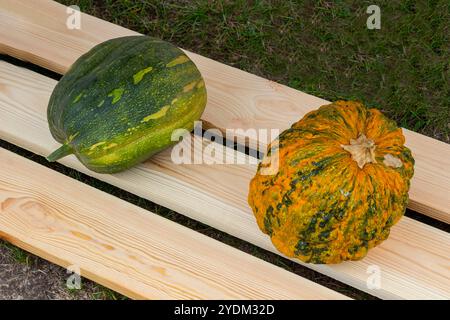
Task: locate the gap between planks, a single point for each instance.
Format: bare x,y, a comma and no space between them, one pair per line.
414,261
37,32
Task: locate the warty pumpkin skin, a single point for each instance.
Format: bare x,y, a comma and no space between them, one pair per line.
343,180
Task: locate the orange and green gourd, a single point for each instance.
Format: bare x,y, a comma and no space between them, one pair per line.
331,187
121,101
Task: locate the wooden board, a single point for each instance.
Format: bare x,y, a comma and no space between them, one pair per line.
36,31
127,248
415,261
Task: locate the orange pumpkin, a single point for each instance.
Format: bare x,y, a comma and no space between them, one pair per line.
342,181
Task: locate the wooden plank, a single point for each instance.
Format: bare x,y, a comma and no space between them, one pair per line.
414,261
36,31
127,248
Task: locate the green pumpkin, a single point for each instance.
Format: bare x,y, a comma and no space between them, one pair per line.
120,102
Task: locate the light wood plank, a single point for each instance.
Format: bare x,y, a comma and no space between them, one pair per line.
36,31
414,261
127,248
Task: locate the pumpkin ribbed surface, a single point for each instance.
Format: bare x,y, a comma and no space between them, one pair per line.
342,181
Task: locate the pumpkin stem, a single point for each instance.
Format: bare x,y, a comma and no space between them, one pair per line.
362,150
59,153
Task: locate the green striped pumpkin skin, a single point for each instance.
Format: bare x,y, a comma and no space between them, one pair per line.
120,102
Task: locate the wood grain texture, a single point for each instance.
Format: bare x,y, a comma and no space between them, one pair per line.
127,248
36,31
414,261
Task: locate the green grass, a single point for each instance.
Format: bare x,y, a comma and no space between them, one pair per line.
319,47
103,293
19,255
